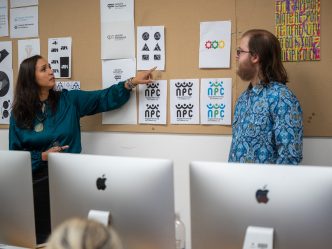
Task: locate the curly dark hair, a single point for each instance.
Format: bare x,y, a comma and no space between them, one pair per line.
26,97
266,45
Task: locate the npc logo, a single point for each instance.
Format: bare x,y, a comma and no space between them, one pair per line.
184,90
152,91
184,111
152,112
216,89
216,111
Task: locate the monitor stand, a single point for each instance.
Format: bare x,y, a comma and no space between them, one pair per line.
103,217
258,238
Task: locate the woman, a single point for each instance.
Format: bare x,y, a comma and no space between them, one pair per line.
77,233
45,121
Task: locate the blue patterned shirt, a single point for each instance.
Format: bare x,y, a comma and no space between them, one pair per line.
267,126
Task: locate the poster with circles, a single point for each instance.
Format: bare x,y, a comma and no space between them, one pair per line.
6,94
150,47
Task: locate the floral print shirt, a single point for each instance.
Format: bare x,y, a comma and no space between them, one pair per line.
267,126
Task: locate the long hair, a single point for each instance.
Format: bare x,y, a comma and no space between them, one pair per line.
26,98
264,44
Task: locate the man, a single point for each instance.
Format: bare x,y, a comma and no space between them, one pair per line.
267,125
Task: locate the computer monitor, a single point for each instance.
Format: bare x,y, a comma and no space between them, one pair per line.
226,199
17,219
138,192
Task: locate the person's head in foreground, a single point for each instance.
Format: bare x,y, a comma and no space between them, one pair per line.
77,233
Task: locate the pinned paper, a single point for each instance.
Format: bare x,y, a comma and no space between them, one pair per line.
152,103
215,44
24,22
27,48
216,101
3,18
114,71
59,56
184,99
150,47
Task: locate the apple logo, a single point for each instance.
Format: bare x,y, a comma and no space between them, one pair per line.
101,182
261,195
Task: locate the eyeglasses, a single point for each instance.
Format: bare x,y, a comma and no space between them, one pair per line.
239,51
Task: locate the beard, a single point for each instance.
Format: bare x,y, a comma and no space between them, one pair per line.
246,70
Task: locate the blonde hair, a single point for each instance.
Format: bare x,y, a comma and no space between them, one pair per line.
77,233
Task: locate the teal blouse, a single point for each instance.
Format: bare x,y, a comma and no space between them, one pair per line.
63,127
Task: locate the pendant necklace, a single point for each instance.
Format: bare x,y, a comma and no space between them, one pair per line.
39,127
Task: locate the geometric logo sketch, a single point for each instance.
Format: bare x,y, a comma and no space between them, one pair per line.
4,84
157,57
157,36
3,54
64,66
145,48
157,48
145,57
145,36
5,109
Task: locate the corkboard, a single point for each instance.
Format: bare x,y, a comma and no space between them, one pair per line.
80,19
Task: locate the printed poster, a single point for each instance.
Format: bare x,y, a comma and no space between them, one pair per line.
114,71
117,29
216,101
27,49
298,29
184,101
6,93
6,54
22,3
59,56
150,47
3,18
152,103
24,22
215,44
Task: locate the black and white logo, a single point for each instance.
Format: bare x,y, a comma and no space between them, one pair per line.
101,182
157,36
145,36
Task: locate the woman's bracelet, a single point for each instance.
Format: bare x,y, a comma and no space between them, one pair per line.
130,83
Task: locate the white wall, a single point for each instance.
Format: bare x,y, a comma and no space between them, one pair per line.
181,149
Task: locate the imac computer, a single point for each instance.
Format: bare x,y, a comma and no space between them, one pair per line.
291,203
138,193
17,219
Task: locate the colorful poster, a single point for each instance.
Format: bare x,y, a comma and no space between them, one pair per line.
298,29
215,44
216,101
184,101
